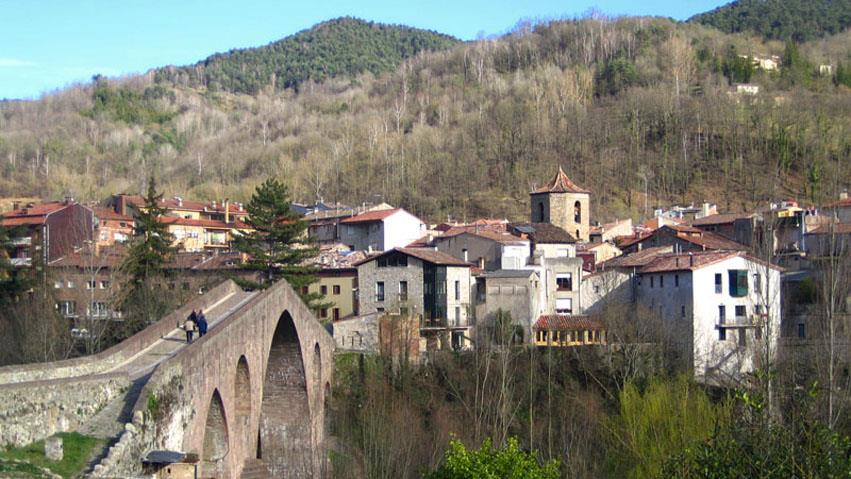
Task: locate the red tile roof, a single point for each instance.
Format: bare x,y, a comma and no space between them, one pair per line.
560,184
497,236
110,214
369,216
637,259
33,215
425,254
695,261
544,233
567,322
174,220
188,205
721,219
845,202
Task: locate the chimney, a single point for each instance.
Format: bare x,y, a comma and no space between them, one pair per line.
213,203
690,259
482,263
639,246
179,201
68,200
465,255
227,210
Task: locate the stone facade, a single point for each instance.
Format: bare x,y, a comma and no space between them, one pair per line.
560,209
369,275
357,334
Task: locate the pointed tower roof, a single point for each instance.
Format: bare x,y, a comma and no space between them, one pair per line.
560,184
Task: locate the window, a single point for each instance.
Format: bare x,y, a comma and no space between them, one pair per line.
90,284
323,290
564,282
457,315
722,314
323,313
682,311
738,283
104,285
67,308
336,314
403,290
304,290
661,281
676,281
457,291
741,311
98,309
802,331
757,309
393,260
57,284
652,282
541,212
757,283
722,334
564,306
718,283
336,289
379,291
577,214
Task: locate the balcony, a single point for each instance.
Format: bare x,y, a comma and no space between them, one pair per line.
736,322
21,262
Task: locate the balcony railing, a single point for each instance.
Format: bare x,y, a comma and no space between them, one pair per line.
736,322
22,241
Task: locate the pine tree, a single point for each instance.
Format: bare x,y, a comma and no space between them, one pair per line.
145,300
279,246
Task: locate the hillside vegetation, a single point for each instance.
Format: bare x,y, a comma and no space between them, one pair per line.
622,104
344,46
781,19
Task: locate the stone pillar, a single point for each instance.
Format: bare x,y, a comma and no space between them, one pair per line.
53,448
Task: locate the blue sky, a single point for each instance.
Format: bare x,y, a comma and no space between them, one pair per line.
48,44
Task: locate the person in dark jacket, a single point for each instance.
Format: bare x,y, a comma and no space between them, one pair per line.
202,324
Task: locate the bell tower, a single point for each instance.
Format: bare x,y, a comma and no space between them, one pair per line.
562,203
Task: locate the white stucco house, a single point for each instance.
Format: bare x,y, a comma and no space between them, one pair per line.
721,308
381,230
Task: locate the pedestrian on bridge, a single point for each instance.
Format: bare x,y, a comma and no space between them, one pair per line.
202,324
189,327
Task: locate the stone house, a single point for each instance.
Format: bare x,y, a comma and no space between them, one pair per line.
490,250
739,227
381,230
719,307
424,282
513,291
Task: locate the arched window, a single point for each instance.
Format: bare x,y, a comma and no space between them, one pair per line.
577,212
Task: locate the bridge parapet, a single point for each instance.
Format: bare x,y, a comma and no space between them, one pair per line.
113,357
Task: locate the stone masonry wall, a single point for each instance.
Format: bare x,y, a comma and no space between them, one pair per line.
33,411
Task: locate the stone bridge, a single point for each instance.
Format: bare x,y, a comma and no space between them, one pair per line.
248,398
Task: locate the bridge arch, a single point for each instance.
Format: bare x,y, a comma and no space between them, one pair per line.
242,390
284,439
216,445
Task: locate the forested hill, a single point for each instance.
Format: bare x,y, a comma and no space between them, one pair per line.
799,20
343,46
622,104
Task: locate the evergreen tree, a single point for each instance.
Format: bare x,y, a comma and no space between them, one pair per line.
145,300
279,246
